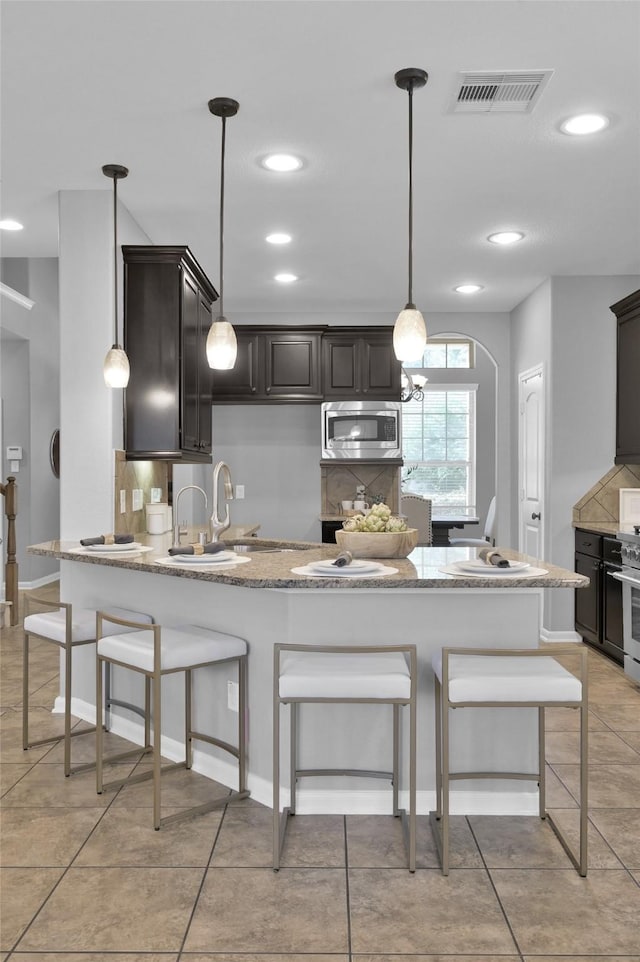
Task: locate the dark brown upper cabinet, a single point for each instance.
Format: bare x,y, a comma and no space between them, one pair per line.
627,312
273,364
167,314
360,363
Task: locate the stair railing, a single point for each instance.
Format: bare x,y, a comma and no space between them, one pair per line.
10,493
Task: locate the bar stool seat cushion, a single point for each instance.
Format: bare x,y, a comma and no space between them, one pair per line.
182,646
328,675
52,624
503,678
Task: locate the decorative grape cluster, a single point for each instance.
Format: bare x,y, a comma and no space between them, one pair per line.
378,519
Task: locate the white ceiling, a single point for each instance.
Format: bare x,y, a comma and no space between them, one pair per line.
89,83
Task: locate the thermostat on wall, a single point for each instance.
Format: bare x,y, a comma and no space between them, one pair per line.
14,456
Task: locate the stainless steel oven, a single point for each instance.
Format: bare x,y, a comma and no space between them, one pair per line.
629,575
361,430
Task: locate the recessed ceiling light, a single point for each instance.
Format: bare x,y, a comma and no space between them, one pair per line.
285,278
278,238
506,237
584,124
10,225
281,162
468,288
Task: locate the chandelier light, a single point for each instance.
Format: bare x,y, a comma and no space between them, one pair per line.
116,363
410,332
412,387
222,346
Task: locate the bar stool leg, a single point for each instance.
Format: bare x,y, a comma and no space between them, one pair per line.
542,766
413,724
584,781
276,776
147,712
242,724
99,696
444,820
396,759
438,727
293,757
157,739
187,720
25,691
68,651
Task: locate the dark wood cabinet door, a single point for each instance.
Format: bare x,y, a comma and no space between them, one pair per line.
587,611
205,400
241,383
628,397
292,365
340,366
190,400
380,369
612,632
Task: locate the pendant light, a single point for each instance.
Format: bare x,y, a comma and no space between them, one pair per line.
116,363
410,332
222,346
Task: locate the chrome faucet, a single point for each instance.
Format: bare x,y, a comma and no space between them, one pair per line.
218,525
178,531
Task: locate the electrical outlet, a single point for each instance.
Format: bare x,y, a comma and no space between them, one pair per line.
232,696
123,501
239,492
136,499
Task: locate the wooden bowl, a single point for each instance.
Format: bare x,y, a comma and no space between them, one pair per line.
378,544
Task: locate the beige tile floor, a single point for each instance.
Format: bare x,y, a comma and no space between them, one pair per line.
86,879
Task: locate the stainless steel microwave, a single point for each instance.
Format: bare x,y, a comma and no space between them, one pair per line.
361,430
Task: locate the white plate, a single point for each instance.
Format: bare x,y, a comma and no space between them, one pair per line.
477,565
130,546
204,559
355,568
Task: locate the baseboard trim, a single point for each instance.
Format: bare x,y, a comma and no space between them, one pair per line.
560,637
36,583
315,801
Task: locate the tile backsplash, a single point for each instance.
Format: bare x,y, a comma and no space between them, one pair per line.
339,482
602,502
130,476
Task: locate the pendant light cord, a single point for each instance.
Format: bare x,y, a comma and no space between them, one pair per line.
115,261
224,137
410,303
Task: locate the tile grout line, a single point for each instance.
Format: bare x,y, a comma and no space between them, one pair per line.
495,891
348,898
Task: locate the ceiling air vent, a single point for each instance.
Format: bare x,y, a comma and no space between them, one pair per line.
505,91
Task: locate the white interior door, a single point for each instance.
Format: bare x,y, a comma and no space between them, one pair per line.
531,462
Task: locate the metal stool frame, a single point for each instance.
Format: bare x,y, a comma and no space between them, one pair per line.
154,678
67,646
280,820
440,818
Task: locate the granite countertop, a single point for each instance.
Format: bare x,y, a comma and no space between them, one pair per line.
598,527
272,568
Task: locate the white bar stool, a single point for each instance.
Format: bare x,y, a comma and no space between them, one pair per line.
67,627
156,652
379,675
507,678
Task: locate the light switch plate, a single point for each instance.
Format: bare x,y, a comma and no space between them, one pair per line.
123,501
239,492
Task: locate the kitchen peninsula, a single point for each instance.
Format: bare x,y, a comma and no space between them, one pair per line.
264,601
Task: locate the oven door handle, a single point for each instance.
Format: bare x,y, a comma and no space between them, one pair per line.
628,579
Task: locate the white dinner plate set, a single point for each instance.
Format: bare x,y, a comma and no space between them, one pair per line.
356,569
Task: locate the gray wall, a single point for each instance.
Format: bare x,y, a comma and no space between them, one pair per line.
566,325
31,405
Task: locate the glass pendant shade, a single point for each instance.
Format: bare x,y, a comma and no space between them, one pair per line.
116,368
409,335
222,345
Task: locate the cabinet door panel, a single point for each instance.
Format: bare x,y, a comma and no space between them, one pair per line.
588,599
381,370
204,377
612,632
190,365
340,363
292,365
628,401
242,381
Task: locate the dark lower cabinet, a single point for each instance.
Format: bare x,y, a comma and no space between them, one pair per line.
329,529
598,608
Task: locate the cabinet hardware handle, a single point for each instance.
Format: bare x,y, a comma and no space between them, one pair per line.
587,544
535,516
616,551
596,566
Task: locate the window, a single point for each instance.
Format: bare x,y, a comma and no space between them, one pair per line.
439,446
446,353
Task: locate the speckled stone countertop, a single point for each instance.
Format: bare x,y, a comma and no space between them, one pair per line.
610,529
273,568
